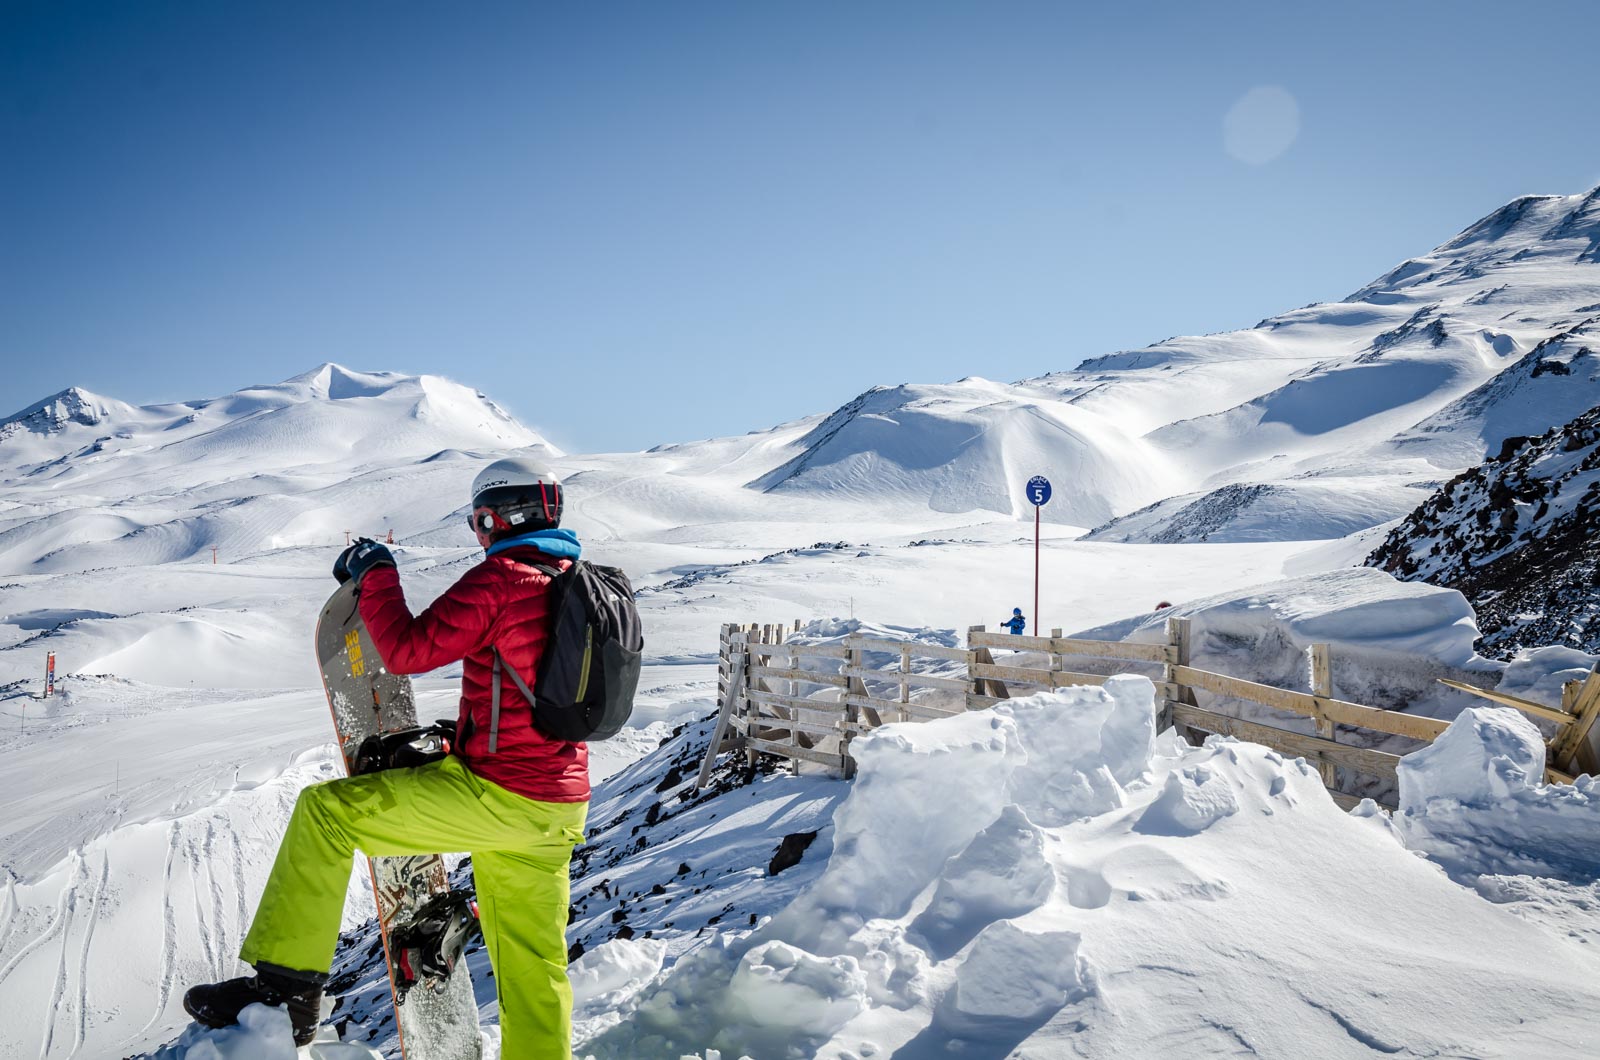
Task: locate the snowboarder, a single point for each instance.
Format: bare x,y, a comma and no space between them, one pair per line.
1016,623
516,801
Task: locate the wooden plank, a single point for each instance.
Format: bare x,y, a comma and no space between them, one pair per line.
895,677
836,761
924,710
1113,649
815,651
1058,679
780,673
895,647
1100,649
778,699
1527,706
831,722
795,725
1046,678
1347,802
1009,641
724,713
1299,744
1556,776
1016,674
1415,726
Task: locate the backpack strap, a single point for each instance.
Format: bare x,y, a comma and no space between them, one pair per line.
522,686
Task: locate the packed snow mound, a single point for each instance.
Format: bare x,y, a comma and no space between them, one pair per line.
973,446
1358,610
262,1033
1476,802
1088,889
1390,641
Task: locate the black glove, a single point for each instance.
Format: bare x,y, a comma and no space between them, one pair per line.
355,561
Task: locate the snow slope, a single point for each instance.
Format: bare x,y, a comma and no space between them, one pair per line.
1414,377
973,445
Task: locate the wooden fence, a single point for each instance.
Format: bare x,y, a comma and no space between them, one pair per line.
807,702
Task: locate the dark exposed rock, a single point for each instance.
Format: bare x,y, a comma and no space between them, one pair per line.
790,851
1519,536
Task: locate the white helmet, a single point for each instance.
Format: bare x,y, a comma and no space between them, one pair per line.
517,495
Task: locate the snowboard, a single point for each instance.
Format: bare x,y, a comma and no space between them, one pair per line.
365,699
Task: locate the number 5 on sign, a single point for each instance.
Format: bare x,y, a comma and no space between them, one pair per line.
1039,491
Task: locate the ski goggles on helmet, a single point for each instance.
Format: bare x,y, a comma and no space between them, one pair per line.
516,508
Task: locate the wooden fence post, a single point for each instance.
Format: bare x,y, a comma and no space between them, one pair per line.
753,715
986,687
1322,686
1571,752
1178,642
905,685
735,688
854,686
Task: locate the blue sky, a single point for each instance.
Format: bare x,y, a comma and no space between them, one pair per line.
641,223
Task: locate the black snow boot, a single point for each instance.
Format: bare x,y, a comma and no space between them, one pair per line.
219,1004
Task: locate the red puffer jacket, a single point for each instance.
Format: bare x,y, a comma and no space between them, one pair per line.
502,602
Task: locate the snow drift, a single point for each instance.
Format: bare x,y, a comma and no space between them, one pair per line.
1085,888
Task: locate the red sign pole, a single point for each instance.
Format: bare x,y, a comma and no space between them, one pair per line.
1036,626
49,674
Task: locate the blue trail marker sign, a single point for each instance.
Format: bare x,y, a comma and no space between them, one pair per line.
1039,491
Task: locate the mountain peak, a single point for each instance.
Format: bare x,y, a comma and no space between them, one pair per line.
72,405
336,382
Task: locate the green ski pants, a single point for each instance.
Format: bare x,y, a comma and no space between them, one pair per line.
520,853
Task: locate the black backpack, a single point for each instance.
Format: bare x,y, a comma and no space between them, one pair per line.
590,667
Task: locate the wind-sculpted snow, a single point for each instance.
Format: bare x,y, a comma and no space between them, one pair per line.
1475,802
1378,628
1046,878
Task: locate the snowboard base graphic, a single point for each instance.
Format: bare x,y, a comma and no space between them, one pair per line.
365,698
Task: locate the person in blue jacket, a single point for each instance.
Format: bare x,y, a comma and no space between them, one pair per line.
1016,623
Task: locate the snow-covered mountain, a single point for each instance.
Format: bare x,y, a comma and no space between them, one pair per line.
91,482
971,446
1519,535
1353,411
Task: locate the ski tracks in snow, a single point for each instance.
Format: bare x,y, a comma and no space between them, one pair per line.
169,931
81,889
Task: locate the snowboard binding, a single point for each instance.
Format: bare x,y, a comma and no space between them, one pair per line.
404,748
426,948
